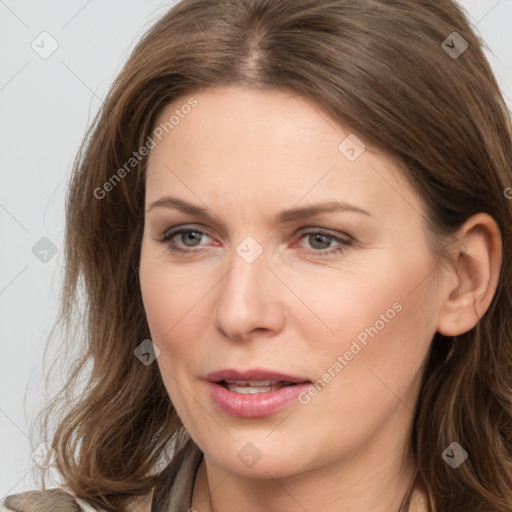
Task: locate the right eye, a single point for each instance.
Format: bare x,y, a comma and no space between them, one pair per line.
184,237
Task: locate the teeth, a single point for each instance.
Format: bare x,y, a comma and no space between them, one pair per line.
251,382
253,387
251,390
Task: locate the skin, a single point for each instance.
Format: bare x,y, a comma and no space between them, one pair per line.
245,155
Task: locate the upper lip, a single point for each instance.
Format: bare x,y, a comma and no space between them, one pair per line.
252,374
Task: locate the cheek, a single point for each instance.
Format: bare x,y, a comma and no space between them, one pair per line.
374,364
383,320
159,295
167,300
336,307
174,302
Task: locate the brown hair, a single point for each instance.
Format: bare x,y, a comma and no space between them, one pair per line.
376,66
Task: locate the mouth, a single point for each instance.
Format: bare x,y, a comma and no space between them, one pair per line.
254,393
253,387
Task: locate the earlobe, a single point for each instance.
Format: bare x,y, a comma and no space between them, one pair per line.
474,275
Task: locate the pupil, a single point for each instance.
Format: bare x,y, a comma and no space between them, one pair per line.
190,236
321,239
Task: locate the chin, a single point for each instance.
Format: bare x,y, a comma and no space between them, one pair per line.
258,459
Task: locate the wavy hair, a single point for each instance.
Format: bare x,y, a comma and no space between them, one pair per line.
378,67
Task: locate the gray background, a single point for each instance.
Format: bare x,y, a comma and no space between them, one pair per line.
46,105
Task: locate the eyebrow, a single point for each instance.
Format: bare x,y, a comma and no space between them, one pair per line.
282,217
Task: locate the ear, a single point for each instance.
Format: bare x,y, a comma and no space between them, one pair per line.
473,276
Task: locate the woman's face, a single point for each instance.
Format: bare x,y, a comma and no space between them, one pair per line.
309,259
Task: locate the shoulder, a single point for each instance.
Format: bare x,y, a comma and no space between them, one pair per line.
50,500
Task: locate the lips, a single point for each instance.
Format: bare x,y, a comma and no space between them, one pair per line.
254,393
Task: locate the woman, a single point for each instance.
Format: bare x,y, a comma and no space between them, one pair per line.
292,226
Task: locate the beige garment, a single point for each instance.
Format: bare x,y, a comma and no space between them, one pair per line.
176,496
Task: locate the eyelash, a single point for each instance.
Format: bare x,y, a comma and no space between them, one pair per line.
169,235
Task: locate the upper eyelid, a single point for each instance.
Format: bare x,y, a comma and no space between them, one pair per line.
192,227
177,229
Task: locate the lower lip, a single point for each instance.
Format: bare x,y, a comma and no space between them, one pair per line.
258,404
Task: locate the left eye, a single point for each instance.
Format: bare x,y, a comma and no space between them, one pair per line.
321,242
189,237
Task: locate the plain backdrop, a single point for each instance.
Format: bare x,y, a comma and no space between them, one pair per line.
46,103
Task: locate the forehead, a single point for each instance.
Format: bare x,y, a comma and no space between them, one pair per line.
244,144
256,119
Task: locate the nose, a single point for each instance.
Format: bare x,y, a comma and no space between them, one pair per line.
250,299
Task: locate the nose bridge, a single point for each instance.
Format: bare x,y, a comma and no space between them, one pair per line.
248,274
246,300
